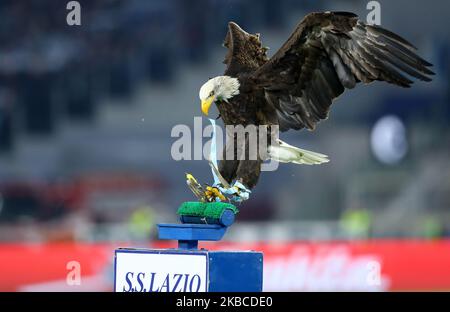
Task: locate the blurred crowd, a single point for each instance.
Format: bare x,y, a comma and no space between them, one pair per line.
52,73
118,44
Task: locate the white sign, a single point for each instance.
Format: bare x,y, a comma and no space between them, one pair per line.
160,271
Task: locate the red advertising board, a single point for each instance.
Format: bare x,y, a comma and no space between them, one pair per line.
378,265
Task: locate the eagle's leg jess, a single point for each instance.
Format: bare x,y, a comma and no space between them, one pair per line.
240,192
247,175
236,192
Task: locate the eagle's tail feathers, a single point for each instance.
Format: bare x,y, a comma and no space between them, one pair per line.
290,154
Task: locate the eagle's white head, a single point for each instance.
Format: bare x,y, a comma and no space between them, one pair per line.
221,88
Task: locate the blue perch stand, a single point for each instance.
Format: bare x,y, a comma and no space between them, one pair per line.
226,271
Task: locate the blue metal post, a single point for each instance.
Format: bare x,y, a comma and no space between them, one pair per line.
188,244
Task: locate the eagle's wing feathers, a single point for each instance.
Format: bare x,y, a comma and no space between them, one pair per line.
245,51
327,53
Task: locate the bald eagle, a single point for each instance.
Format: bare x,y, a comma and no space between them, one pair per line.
294,89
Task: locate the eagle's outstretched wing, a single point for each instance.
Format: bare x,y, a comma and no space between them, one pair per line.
245,51
327,53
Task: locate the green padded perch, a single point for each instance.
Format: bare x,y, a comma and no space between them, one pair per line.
207,213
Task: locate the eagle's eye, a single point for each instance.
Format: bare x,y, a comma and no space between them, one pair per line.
211,93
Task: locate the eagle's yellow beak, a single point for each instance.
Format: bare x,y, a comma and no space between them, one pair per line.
206,104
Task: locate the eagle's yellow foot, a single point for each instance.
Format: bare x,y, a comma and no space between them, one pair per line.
213,193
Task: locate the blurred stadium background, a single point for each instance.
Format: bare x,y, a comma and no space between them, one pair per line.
86,114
